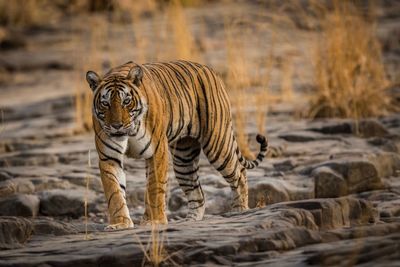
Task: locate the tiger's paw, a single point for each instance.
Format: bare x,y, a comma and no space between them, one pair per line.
146,222
239,208
194,216
118,226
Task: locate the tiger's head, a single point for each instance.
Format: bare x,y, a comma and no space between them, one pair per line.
118,103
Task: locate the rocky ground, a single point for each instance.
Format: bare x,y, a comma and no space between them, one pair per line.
328,193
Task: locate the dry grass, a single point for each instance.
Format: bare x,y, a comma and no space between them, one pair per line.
248,82
86,197
20,12
90,57
2,125
155,253
182,38
349,73
238,82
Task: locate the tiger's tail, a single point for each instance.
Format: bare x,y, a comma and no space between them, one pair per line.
250,164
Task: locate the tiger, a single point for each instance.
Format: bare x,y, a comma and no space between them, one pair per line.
156,111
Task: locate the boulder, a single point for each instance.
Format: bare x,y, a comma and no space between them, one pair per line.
301,136
19,205
69,203
340,177
14,232
217,200
48,226
285,165
5,176
267,192
364,128
336,213
17,185
329,183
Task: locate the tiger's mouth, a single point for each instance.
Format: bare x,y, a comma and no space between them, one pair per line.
118,134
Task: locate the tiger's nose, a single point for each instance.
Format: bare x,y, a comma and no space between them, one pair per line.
116,125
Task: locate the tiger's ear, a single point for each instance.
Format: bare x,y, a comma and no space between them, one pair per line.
135,75
93,79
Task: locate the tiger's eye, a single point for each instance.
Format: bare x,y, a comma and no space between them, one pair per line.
127,101
104,103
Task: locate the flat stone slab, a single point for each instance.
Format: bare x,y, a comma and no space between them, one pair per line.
277,228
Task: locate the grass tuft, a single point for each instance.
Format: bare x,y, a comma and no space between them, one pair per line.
86,197
182,38
349,72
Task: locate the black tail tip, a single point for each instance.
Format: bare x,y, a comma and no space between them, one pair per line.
261,139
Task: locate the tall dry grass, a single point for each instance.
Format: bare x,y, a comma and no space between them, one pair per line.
349,73
92,56
86,197
247,78
20,12
182,37
155,252
238,82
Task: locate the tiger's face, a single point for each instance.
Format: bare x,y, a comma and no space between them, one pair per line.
118,104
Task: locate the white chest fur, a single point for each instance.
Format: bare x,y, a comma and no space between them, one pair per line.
140,146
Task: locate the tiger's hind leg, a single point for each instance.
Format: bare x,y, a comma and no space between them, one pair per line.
222,155
186,154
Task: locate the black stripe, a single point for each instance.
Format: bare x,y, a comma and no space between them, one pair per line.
110,158
108,145
186,173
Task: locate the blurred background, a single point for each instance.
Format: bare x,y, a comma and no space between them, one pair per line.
313,58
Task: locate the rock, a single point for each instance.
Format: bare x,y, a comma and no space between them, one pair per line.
5,176
47,226
244,237
386,202
387,163
135,197
48,183
19,205
267,192
329,183
285,165
382,252
80,179
217,200
15,61
12,42
70,203
335,213
215,181
364,128
6,188
14,232
177,199
17,185
29,159
370,128
335,128
384,144
301,136
359,175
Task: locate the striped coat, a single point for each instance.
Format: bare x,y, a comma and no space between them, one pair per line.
144,111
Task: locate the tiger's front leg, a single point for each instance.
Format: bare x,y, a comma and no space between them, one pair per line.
157,178
118,211
114,181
